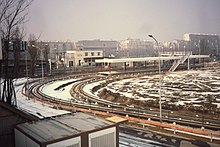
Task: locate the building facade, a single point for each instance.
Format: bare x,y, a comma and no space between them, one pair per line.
109,48
57,51
176,45
135,48
203,43
82,57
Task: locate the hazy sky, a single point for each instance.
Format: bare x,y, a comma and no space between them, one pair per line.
117,19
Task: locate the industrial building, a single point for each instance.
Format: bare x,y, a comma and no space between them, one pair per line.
71,130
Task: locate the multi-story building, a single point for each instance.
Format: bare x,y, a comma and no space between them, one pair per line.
109,48
57,51
82,57
177,45
15,58
135,48
203,43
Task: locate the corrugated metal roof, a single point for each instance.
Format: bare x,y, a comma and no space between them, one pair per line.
63,126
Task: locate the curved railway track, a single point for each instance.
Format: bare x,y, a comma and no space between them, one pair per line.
84,100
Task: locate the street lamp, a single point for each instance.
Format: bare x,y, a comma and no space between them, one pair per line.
42,65
159,70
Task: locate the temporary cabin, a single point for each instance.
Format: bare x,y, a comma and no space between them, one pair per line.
71,130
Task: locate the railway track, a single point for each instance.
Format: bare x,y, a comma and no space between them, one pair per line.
84,100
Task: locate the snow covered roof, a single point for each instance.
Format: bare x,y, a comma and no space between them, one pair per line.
106,60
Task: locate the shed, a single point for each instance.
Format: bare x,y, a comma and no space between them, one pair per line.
71,130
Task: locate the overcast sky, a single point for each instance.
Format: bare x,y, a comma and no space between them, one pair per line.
117,19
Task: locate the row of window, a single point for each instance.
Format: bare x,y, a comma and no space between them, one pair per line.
92,54
207,42
89,60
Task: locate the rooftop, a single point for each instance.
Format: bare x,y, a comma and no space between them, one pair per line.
107,60
63,126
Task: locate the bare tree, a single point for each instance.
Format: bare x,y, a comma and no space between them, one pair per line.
16,43
13,14
4,6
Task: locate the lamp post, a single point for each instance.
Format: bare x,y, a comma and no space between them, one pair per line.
159,70
42,65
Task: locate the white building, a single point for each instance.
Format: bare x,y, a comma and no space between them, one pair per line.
109,48
176,45
82,57
135,48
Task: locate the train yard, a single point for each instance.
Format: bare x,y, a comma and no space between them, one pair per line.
84,101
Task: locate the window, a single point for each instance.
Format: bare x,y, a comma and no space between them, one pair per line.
86,53
70,63
98,53
92,53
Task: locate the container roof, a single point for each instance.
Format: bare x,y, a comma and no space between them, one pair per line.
62,126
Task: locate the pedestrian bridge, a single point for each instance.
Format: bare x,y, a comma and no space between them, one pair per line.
177,58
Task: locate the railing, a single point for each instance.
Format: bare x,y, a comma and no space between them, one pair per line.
175,53
176,63
183,59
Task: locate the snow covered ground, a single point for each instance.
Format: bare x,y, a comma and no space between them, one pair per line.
194,87
179,88
134,88
63,93
31,106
